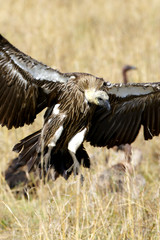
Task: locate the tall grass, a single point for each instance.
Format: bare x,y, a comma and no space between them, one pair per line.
98,37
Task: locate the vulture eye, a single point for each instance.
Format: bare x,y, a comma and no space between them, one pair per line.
105,84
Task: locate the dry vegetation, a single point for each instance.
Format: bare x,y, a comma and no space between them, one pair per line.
98,37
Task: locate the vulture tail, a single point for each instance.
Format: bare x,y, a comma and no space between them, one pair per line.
17,171
29,161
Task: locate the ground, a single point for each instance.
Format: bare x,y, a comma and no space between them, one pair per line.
97,37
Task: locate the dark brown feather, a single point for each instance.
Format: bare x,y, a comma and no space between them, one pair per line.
123,123
24,80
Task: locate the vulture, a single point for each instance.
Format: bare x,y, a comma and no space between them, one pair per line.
125,69
79,107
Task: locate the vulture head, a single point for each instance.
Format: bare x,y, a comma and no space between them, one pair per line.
93,88
98,97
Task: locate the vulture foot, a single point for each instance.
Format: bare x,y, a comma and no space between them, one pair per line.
75,166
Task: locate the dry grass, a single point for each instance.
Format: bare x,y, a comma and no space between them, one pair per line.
98,37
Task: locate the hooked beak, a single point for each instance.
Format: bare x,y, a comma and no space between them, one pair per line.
105,103
133,68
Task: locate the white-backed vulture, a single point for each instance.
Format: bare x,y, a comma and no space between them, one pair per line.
80,107
125,69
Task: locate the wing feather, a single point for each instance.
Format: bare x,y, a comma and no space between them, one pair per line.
24,85
140,106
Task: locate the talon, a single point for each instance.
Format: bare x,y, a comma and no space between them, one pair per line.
65,175
75,167
70,169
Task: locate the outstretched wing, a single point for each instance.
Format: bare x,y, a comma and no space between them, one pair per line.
24,85
132,106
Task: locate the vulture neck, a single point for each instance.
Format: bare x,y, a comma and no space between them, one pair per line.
125,79
72,101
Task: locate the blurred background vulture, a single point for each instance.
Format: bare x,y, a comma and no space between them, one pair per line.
80,107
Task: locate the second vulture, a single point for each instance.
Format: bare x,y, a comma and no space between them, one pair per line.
80,107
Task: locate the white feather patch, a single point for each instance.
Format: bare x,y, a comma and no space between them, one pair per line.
76,141
72,77
63,116
56,109
124,91
49,120
56,137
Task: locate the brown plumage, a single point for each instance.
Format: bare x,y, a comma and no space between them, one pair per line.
126,148
80,107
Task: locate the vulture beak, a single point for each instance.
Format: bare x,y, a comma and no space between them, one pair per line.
107,105
133,68
104,103
128,68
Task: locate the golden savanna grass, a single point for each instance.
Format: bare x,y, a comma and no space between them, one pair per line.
98,37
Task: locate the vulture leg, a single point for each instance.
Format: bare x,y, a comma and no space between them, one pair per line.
73,145
51,145
75,165
47,158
